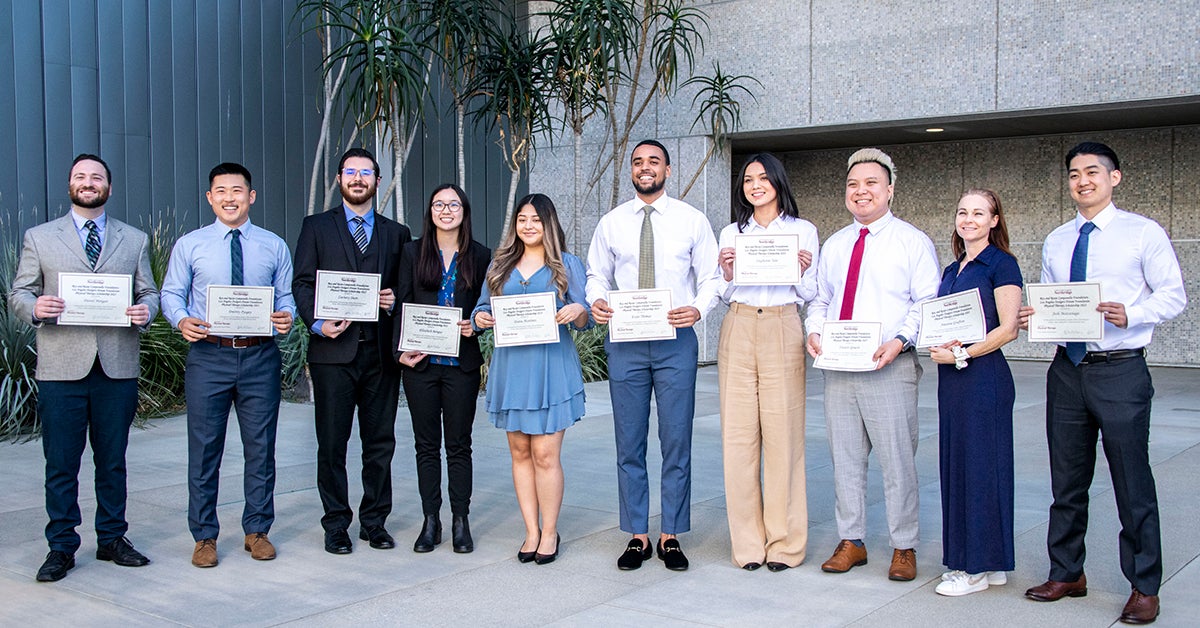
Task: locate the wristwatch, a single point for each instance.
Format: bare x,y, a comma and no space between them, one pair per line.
905,343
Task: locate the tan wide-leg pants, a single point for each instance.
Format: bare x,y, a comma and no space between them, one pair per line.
760,368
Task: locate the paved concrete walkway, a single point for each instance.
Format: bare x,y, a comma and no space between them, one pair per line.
307,586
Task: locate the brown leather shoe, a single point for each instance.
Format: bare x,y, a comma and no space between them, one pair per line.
846,555
259,546
1052,590
1140,609
205,554
904,565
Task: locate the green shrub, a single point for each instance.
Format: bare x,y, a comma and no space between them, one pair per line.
589,344
163,349
18,356
293,350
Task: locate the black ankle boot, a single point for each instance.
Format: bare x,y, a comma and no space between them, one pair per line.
460,530
431,535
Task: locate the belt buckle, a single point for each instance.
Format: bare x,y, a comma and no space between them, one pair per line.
240,342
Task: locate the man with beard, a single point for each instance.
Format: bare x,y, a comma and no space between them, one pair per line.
351,362
87,374
654,241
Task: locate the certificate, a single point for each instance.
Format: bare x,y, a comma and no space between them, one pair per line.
525,319
640,315
431,329
95,299
1065,312
848,346
240,310
347,296
957,316
766,260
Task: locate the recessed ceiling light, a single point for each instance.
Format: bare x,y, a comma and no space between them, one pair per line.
935,129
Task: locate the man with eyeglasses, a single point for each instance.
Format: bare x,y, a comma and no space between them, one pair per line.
351,362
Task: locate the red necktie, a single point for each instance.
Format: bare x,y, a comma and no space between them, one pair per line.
852,275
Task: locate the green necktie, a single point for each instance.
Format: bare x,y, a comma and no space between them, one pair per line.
646,252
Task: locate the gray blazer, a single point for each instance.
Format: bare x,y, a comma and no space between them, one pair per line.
67,352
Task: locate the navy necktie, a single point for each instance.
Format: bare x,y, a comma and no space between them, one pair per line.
93,243
235,257
360,234
1076,350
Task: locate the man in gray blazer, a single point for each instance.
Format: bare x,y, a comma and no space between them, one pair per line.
87,374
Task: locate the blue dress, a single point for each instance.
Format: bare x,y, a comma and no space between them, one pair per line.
537,389
975,409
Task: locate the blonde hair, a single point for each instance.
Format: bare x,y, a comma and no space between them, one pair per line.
511,248
873,155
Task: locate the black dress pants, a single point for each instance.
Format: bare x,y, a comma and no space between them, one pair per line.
441,400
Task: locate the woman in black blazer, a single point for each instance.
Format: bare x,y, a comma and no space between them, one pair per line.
444,267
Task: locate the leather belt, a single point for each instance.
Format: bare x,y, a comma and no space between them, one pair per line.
1097,357
241,342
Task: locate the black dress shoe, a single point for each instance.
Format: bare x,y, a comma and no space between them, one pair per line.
635,554
751,566
338,542
431,535
527,557
777,567
542,559
122,553
672,555
377,536
460,535
56,566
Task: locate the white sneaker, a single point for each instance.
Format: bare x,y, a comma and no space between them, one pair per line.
994,578
962,583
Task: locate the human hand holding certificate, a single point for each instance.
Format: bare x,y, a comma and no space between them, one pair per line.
957,316
95,299
525,319
342,296
1065,312
240,310
848,346
430,329
640,315
766,260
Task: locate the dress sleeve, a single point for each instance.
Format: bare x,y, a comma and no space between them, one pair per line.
1007,272
576,281
484,304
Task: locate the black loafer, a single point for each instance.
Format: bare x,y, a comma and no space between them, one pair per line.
431,535
338,542
635,554
56,566
460,535
122,553
672,555
777,567
377,536
751,566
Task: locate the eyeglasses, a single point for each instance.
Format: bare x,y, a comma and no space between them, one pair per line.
453,206
351,172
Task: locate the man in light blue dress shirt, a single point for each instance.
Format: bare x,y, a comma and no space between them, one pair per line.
241,371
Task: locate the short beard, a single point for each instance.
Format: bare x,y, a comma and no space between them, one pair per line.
356,198
653,188
99,201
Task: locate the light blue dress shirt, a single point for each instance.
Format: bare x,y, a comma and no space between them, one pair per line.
82,231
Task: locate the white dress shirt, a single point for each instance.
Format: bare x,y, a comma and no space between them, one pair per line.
899,270
1132,258
685,253
769,296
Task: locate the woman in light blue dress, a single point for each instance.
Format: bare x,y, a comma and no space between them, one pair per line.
535,392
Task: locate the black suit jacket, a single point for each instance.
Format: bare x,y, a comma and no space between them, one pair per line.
325,243
469,357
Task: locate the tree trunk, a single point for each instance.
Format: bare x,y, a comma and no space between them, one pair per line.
460,111
512,198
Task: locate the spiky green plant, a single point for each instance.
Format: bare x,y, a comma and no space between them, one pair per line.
18,356
163,350
589,343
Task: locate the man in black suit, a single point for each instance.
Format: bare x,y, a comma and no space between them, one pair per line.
351,362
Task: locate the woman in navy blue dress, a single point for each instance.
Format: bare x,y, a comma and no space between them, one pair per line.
975,404
535,392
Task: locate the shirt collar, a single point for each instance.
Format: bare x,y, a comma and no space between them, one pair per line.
876,226
1102,220
987,255
246,228
659,204
368,218
776,224
101,220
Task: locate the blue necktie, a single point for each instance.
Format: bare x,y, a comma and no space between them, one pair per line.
93,243
1076,350
235,257
360,234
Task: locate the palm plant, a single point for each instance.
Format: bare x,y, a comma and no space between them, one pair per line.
719,110
163,350
18,357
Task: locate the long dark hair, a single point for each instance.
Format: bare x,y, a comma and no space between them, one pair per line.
777,176
428,271
511,248
997,237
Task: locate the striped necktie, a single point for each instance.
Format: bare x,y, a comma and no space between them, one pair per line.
646,252
93,243
360,233
235,258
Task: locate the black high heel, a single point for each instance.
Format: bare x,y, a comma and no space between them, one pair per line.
528,557
543,559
